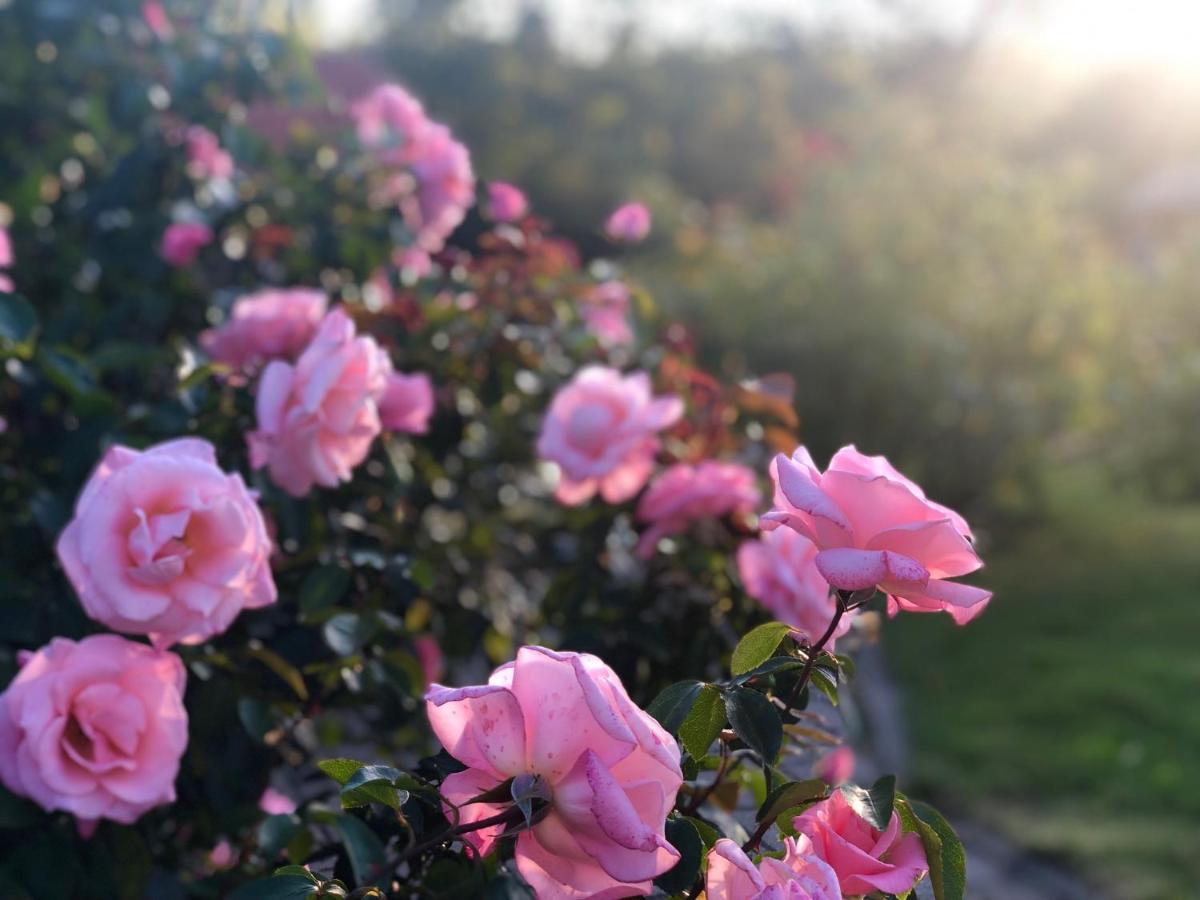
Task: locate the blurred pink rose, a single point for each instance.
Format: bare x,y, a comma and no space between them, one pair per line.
836,768
6,260
875,528
506,202
155,17
165,544
779,571
429,654
222,855
276,803
629,222
685,493
206,159
183,241
414,262
605,311
318,417
407,403
865,859
600,430
273,323
800,875
445,187
95,728
610,770
389,121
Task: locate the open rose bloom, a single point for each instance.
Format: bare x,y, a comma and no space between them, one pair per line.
779,570
166,544
610,770
800,875
318,417
875,528
629,222
274,323
206,159
685,493
605,311
94,728
600,430
506,202
183,241
864,858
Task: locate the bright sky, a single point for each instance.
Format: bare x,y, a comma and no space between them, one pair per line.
1083,33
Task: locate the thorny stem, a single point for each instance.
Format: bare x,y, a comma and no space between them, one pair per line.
843,606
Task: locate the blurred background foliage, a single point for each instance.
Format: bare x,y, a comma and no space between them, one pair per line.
970,261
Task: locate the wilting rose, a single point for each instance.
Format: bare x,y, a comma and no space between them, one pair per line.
166,544
875,528
609,770
780,572
605,311
94,728
800,875
687,493
183,241
318,417
206,159
506,202
629,222
274,323
600,430
864,858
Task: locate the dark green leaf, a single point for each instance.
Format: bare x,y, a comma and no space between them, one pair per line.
297,870
772,666
323,587
18,322
284,669
275,832
279,887
825,682
255,716
340,769
346,632
708,834
682,835
703,722
756,721
364,848
874,805
674,703
373,784
944,851
16,812
756,647
794,793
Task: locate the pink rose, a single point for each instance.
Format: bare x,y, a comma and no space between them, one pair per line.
610,771
389,121
414,263
605,311
206,159
429,655
6,251
155,17
629,222
182,242
685,493
94,728
800,875
222,855
836,768
445,187
864,858
165,544
268,324
506,201
318,418
875,528
779,571
276,803
600,430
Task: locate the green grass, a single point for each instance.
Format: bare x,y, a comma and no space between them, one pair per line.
1068,715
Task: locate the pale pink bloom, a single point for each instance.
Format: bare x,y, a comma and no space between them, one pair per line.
445,187
183,241
779,571
415,262
274,323
506,201
6,251
875,528
600,430
6,284
155,17
166,544
429,654
222,855
605,311
629,222
800,875
686,493
95,728
610,770
865,859
836,768
389,121
206,159
318,417
276,803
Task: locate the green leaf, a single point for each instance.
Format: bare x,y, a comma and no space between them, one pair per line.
278,887
374,784
346,632
757,646
284,669
275,832
756,721
525,789
944,851
18,323
772,666
708,834
825,682
794,793
255,716
684,837
674,703
323,587
302,871
340,769
874,805
364,848
704,722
